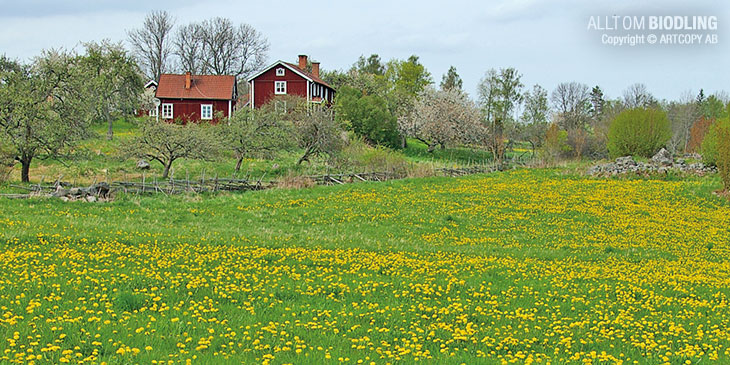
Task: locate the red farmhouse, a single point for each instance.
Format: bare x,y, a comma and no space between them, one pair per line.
195,97
283,78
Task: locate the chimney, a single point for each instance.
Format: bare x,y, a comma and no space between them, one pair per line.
303,61
315,69
188,80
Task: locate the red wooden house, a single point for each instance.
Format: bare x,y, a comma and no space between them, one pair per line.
196,97
283,78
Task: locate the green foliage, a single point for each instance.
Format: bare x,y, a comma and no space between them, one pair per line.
43,112
722,132
451,80
257,133
167,142
638,132
113,83
360,156
318,133
556,143
368,116
371,65
712,141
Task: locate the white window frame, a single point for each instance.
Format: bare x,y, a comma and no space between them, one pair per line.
280,71
202,113
153,112
165,114
280,87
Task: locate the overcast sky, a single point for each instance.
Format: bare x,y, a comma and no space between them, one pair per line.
547,41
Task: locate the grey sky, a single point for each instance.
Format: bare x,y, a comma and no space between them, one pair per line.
547,41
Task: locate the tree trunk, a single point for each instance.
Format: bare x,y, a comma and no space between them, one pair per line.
110,130
238,163
403,142
25,169
305,157
166,170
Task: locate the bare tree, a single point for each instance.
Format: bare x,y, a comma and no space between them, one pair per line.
189,48
317,132
637,96
571,101
231,50
167,142
257,133
443,117
151,43
682,114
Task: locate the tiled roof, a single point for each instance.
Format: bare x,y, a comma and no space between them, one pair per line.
202,87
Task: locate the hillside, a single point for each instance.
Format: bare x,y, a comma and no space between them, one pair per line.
528,265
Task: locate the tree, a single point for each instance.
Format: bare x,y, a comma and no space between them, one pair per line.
571,101
682,114
231,50
151,43
406,80
42,107
535,116
500,93
318,132
638,96
367,115
167,142
188,47
451,80
597,103
638,132
371,65
257,133
443,118
113,84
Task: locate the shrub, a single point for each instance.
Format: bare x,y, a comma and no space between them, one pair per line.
711,141
638,132
697,133
716,149
556,143
359,155
368,116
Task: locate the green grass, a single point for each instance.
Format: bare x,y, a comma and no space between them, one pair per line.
526,264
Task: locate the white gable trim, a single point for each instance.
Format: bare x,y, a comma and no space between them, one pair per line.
282,63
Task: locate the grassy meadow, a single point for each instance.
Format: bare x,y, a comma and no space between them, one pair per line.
524,266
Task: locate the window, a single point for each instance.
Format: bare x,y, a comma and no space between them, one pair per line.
167,111
280,72
153,112
280,87
206,111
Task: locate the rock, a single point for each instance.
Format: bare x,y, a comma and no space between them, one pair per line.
90,198
60,192
625,161
75,192
65,198
663,157
143,165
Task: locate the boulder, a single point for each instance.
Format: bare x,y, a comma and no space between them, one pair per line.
143,165
663,157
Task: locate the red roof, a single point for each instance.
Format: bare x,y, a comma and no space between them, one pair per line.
309,74
202,87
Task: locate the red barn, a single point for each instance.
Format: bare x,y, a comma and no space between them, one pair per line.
196,97
283,78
